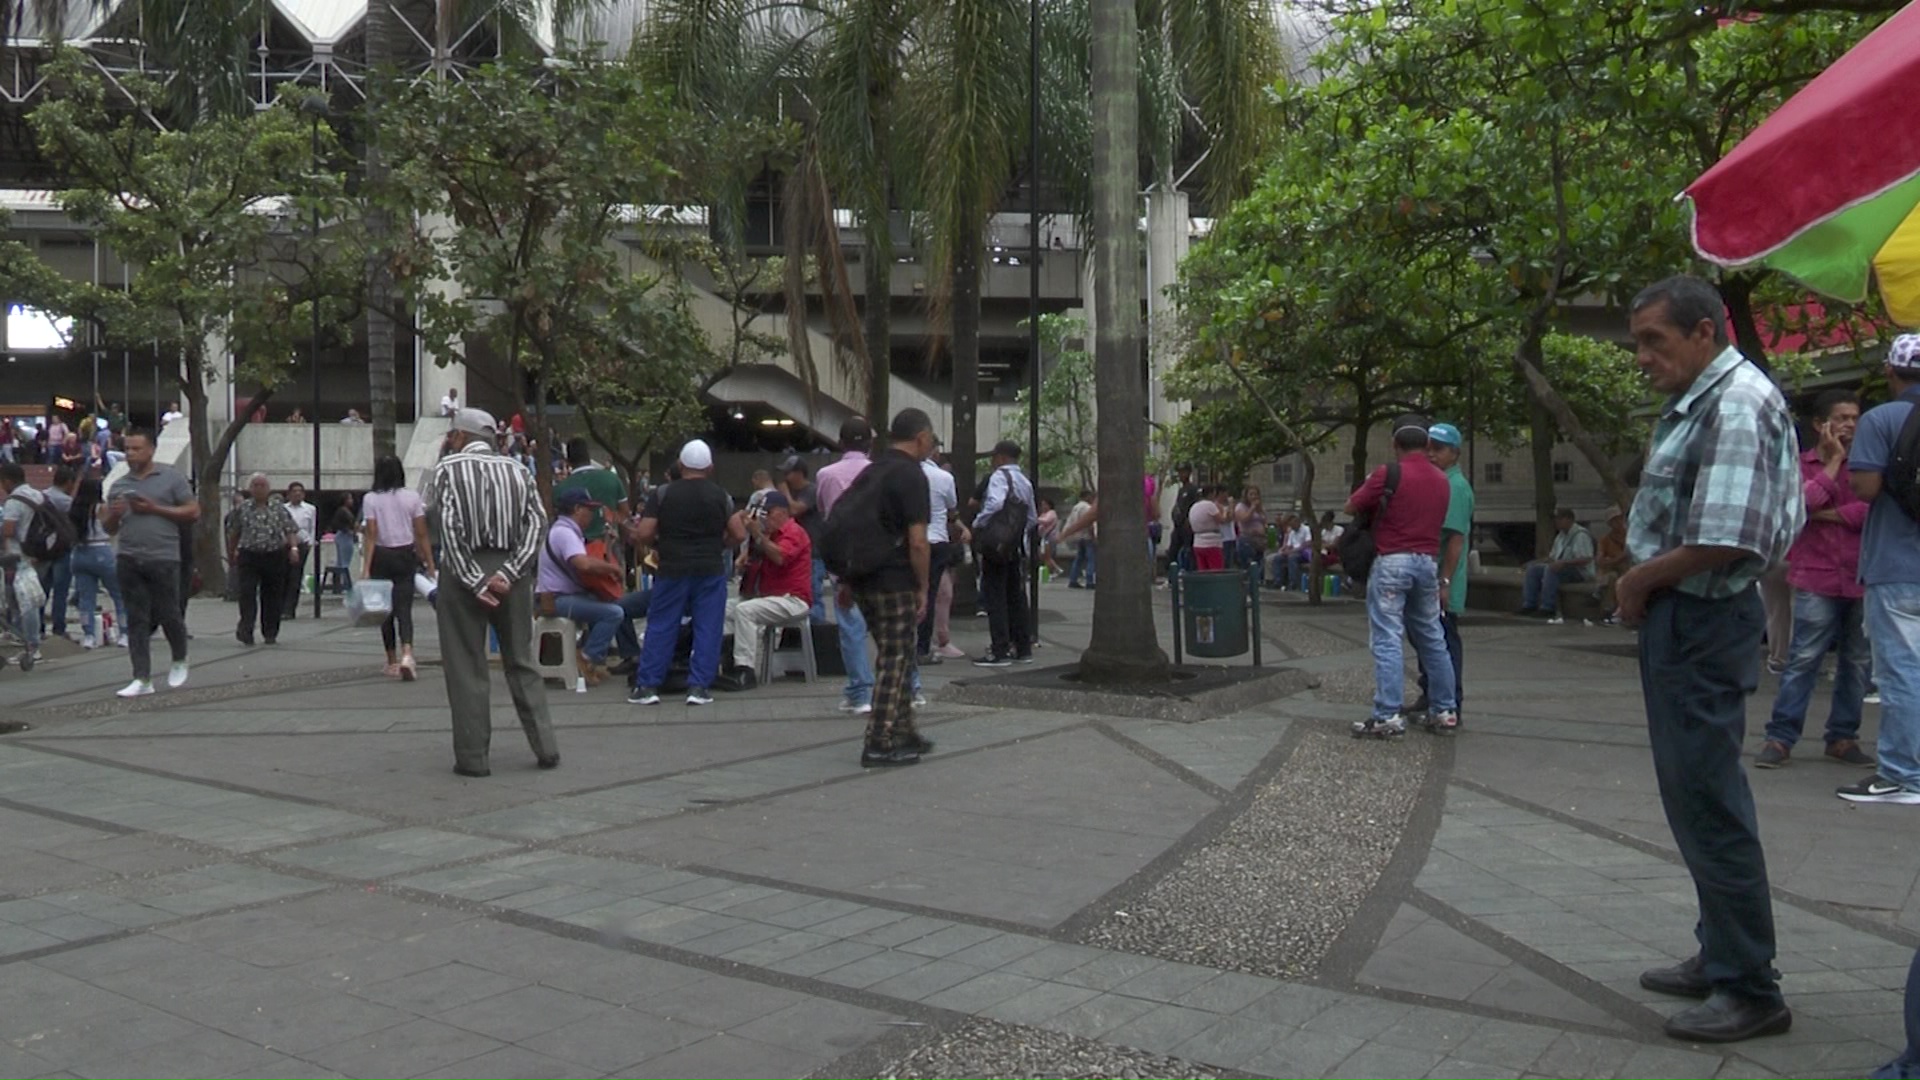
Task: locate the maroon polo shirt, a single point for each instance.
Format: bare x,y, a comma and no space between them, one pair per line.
1411,524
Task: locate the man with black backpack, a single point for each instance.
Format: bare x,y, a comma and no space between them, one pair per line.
1002,534
875,542
1406,506
22,535
1883,465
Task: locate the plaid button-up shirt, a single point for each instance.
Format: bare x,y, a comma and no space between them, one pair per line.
1722,471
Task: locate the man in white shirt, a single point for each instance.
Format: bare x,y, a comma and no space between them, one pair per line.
451,403
307,519
945,500
173,413
353,417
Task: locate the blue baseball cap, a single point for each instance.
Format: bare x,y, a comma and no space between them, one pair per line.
1445,435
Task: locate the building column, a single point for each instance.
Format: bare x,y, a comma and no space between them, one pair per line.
1168,224
434,374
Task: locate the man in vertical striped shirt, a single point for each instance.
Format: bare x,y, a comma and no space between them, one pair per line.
490,524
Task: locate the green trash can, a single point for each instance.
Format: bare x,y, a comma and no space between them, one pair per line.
1214,611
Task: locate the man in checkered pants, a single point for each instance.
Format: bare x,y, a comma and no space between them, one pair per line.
894,596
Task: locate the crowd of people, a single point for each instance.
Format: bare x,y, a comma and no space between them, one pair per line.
90,442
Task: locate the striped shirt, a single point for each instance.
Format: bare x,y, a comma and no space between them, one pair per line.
484,501
1723,471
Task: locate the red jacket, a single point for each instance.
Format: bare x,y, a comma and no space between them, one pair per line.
793,577
1826,557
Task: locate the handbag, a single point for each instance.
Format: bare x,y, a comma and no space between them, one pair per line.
1357,547
370,602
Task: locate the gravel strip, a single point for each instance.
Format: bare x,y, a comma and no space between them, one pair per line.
1271,894
987,1048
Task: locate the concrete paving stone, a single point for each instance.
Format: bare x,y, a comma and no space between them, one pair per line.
204,1053
537,823
563,907
1302,1053
722,1055
810,916
479,883
874,968
729,940
547,893
19,939
688,890
1098,1015
1437,1030
1576,1055
296,1026
364,965
616,1039
283,1067
728,899
681,931
1361,1018
885,928
1054,960
436,990
409,1049
1653,1062
1291,1005
1377,1060
1163,1029
998,952
522,1013
1167,982
1230,1041
1402,968
24,912
771,905
816,1028
73,926
926,980
781,946
289,949
1227,992
1034,1007
1833,1006
1790,1057
612,917
716,1003
1463,1069
977,994
950,940
825,958
88,1040
632,978
385,854
1110,970
1825,982
514,1063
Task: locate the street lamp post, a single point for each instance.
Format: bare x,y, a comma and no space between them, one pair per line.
315,106
1033,289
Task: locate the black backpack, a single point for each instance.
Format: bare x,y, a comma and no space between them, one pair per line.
1356,545
1903,471
1003,537
854,542
49,534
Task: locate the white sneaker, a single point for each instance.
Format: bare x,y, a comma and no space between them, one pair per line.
919,701
136,688
120,640
177,675
88,641
1556,621
856,709
1871,699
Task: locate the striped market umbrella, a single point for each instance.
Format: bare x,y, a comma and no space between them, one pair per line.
1826,189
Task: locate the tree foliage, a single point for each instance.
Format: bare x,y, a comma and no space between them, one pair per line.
212,223
1067,446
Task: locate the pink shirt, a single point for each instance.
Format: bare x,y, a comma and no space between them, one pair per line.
832,481
1826,557
393,513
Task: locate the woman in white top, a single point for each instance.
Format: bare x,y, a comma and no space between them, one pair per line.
397,548
1209,552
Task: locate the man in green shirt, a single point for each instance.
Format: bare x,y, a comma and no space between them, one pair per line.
1443,449
598,481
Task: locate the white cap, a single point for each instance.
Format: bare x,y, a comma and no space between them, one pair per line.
696,456
473,421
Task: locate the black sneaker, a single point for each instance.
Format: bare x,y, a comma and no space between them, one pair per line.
916,742
1772,755
1023,658
884,759
643,695
1877,788
993,660
1688,978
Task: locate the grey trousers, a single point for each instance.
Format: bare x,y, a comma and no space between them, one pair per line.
464,622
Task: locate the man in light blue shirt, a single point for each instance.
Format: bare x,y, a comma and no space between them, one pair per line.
1003,586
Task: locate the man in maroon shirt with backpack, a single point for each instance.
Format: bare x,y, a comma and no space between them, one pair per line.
1408,500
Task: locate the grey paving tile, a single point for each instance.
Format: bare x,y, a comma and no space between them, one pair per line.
1040,1004
1163,1029
1226,992
722,1055
1671,1061
1463,1069
810,916
386,854
1291,1006
1108,971
816,1028
722,942
950,940
407,1050
615,1039
514,1063
1362,1019
824,958
926,980
998,952
1303,1053
1376,1060
977,994
871,969
1167,982
783,946
1506,1044
1093,1018
716,1003
522,1013
1230,1042
203,1053
1576,1055
890,933
436,990
1053,961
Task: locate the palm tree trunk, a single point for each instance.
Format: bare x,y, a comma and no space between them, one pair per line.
380,292
1124,647
966,363
878,317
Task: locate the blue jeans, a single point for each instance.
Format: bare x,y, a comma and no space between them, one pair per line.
853,653
92,569
705,599
1819,623
343,556
1083,560
1403,597
1542,591
818,613
1893,624
604,621
59,583
1907,1065
1699,659
1450,629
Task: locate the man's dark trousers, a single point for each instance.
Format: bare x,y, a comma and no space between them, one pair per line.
1699,660
1449,629
937,555
1004,593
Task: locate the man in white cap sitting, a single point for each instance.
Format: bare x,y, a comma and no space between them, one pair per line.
491,528
690,524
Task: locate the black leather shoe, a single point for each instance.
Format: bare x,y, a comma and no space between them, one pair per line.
917,743
550,761
1725,1017
464,771
881,759
1685,979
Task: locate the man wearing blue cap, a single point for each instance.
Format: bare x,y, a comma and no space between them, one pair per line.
1443,449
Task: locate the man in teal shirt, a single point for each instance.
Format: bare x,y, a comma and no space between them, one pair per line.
1443,449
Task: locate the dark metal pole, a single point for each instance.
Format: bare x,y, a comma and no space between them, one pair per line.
316,108
1033,289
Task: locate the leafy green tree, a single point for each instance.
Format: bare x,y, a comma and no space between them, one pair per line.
1067,428
211,221
538,167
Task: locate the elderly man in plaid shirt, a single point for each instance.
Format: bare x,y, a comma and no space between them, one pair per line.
1719,504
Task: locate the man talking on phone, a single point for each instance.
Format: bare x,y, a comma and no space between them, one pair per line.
487,512
146,511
